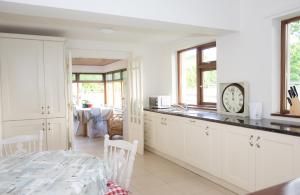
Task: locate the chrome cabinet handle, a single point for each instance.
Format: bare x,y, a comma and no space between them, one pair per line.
49,129
48,107
257,142
42,110
251,140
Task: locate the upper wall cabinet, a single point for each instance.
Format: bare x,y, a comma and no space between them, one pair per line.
54,79
22,78
32,79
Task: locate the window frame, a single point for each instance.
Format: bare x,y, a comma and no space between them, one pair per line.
283,60
89,81
77,80
201,67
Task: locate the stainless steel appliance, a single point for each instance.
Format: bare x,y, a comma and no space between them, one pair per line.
159,102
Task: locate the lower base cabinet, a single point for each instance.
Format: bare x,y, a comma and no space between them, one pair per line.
55,131
56,134
277,159
238,157
202,148
175,137
247,158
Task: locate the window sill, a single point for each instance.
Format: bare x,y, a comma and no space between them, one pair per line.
285,115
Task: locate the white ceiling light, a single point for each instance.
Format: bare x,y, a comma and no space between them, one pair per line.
107,30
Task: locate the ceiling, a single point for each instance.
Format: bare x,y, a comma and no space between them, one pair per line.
91,30
93,61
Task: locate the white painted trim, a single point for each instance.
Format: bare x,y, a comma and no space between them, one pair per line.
1,133
32,37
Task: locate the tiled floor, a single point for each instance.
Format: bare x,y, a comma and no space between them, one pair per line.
154,175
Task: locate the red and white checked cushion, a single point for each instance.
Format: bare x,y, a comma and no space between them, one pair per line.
115,189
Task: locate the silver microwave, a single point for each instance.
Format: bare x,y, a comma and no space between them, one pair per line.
159,102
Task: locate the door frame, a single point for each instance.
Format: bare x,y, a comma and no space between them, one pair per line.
93,53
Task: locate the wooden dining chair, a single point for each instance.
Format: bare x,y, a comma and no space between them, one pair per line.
21,144
119,156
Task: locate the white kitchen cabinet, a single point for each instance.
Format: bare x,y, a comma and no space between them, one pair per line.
26,127
248,158
149,128
193,147
175,137
22,79
277,158
161,133
56,134
238,161
55,105
32,79
33,87
202,146
211,155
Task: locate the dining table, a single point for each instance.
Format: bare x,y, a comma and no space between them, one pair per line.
52,172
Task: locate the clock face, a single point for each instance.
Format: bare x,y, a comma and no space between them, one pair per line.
233,98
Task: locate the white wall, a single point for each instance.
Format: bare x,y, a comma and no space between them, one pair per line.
253,54
122,64
222,14
250,55
160,67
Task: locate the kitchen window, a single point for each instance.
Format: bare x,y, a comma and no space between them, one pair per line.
290,59
197,76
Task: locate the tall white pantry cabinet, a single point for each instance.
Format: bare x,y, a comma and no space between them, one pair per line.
33,95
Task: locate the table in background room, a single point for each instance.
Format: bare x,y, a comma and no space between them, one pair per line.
91,122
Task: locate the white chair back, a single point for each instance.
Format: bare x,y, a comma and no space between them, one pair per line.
21,144
119,156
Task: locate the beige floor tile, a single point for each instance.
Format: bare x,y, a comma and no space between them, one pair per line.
155,175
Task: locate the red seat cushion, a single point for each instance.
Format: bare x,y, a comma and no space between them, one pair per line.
115,189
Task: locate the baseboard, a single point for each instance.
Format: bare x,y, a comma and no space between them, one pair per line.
198,171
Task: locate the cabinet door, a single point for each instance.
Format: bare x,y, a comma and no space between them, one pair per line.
161,134
22,79
54,79
149,127
56,134
238,156
25,127
276,159
211,149
194,142
175,145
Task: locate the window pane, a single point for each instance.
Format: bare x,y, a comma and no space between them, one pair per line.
118,94
92,93
117,75
73,77
293,58
209,55
108,77
124,74
90,77
209,86
188,61
109,94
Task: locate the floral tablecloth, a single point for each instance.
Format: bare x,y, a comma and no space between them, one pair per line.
52,172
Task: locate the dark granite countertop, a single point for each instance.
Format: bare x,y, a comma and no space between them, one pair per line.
276,126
